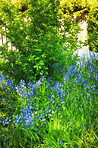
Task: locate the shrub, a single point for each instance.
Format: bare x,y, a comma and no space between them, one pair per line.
92,29
38,43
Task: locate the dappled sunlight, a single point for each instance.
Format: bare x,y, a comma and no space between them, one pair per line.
48,86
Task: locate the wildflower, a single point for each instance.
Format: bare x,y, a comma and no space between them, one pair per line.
43,120
53,112
62,142
37,83
62,102
74,146
77,99
82,138
28,123
22,84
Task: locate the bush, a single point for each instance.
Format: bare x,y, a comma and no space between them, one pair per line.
38,43
92,29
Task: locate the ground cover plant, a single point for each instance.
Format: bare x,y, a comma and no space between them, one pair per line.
50,113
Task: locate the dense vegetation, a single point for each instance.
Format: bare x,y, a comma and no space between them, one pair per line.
72,6
51,114
93,29
38,42
46,98
76,8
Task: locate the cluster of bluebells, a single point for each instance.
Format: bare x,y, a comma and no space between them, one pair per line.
30,116
5,81
77,77
6,99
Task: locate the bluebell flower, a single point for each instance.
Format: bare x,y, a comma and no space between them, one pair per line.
22,84
28,121
62,102
53,111
42,119
62,142
66,78
75,146
9,82
37,84
59,93
77,99
22,109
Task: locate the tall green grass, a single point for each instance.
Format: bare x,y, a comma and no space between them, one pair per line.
52,114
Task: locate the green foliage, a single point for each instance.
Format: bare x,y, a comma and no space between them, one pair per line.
78,7
93,29
63,114
37,42
71,6
12,102
22,137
